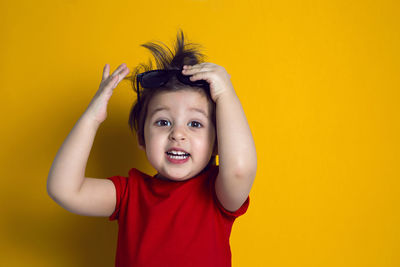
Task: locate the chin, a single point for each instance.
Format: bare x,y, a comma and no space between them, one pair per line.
178,177
171,175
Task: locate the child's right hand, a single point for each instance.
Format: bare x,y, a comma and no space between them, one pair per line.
97,109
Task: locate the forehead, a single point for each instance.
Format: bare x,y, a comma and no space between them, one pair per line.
187,99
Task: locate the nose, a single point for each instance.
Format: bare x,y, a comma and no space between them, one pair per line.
178,133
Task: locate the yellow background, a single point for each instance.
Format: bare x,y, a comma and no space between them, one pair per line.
319,82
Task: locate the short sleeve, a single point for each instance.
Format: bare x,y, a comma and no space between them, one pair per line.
121,184
233,215
229,214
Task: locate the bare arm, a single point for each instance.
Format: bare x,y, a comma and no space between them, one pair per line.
236,148
237,153
66,182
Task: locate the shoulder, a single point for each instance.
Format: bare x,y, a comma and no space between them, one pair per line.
135,173
135,176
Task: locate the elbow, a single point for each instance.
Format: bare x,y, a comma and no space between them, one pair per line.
53,190
52,193
245,169
49,189
62,200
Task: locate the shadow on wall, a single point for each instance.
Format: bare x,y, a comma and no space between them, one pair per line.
39,232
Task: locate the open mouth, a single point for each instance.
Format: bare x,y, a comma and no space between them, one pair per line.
176,154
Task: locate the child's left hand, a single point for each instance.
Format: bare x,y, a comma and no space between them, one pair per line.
215,75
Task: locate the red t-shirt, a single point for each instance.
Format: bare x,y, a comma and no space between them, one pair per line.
168,223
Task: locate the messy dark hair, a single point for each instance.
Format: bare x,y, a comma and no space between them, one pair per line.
166,59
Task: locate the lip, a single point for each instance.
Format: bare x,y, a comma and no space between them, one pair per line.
176,161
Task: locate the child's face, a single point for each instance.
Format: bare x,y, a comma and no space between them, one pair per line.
179,120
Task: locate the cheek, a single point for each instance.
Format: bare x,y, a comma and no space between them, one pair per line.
157,141
205,143
151,142
154,140
154,150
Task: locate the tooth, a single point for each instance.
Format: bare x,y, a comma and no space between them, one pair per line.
178,157
177,152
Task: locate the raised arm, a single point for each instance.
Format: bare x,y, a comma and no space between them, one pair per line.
66,182
236,148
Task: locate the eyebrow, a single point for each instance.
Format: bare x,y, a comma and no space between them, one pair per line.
167,109
200,111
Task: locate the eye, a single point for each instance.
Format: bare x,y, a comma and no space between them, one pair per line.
195,124
163,123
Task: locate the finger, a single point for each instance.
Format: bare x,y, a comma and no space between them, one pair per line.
120,69
199,66
194,70
117,78
206,75
124,73
106,71
113,82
